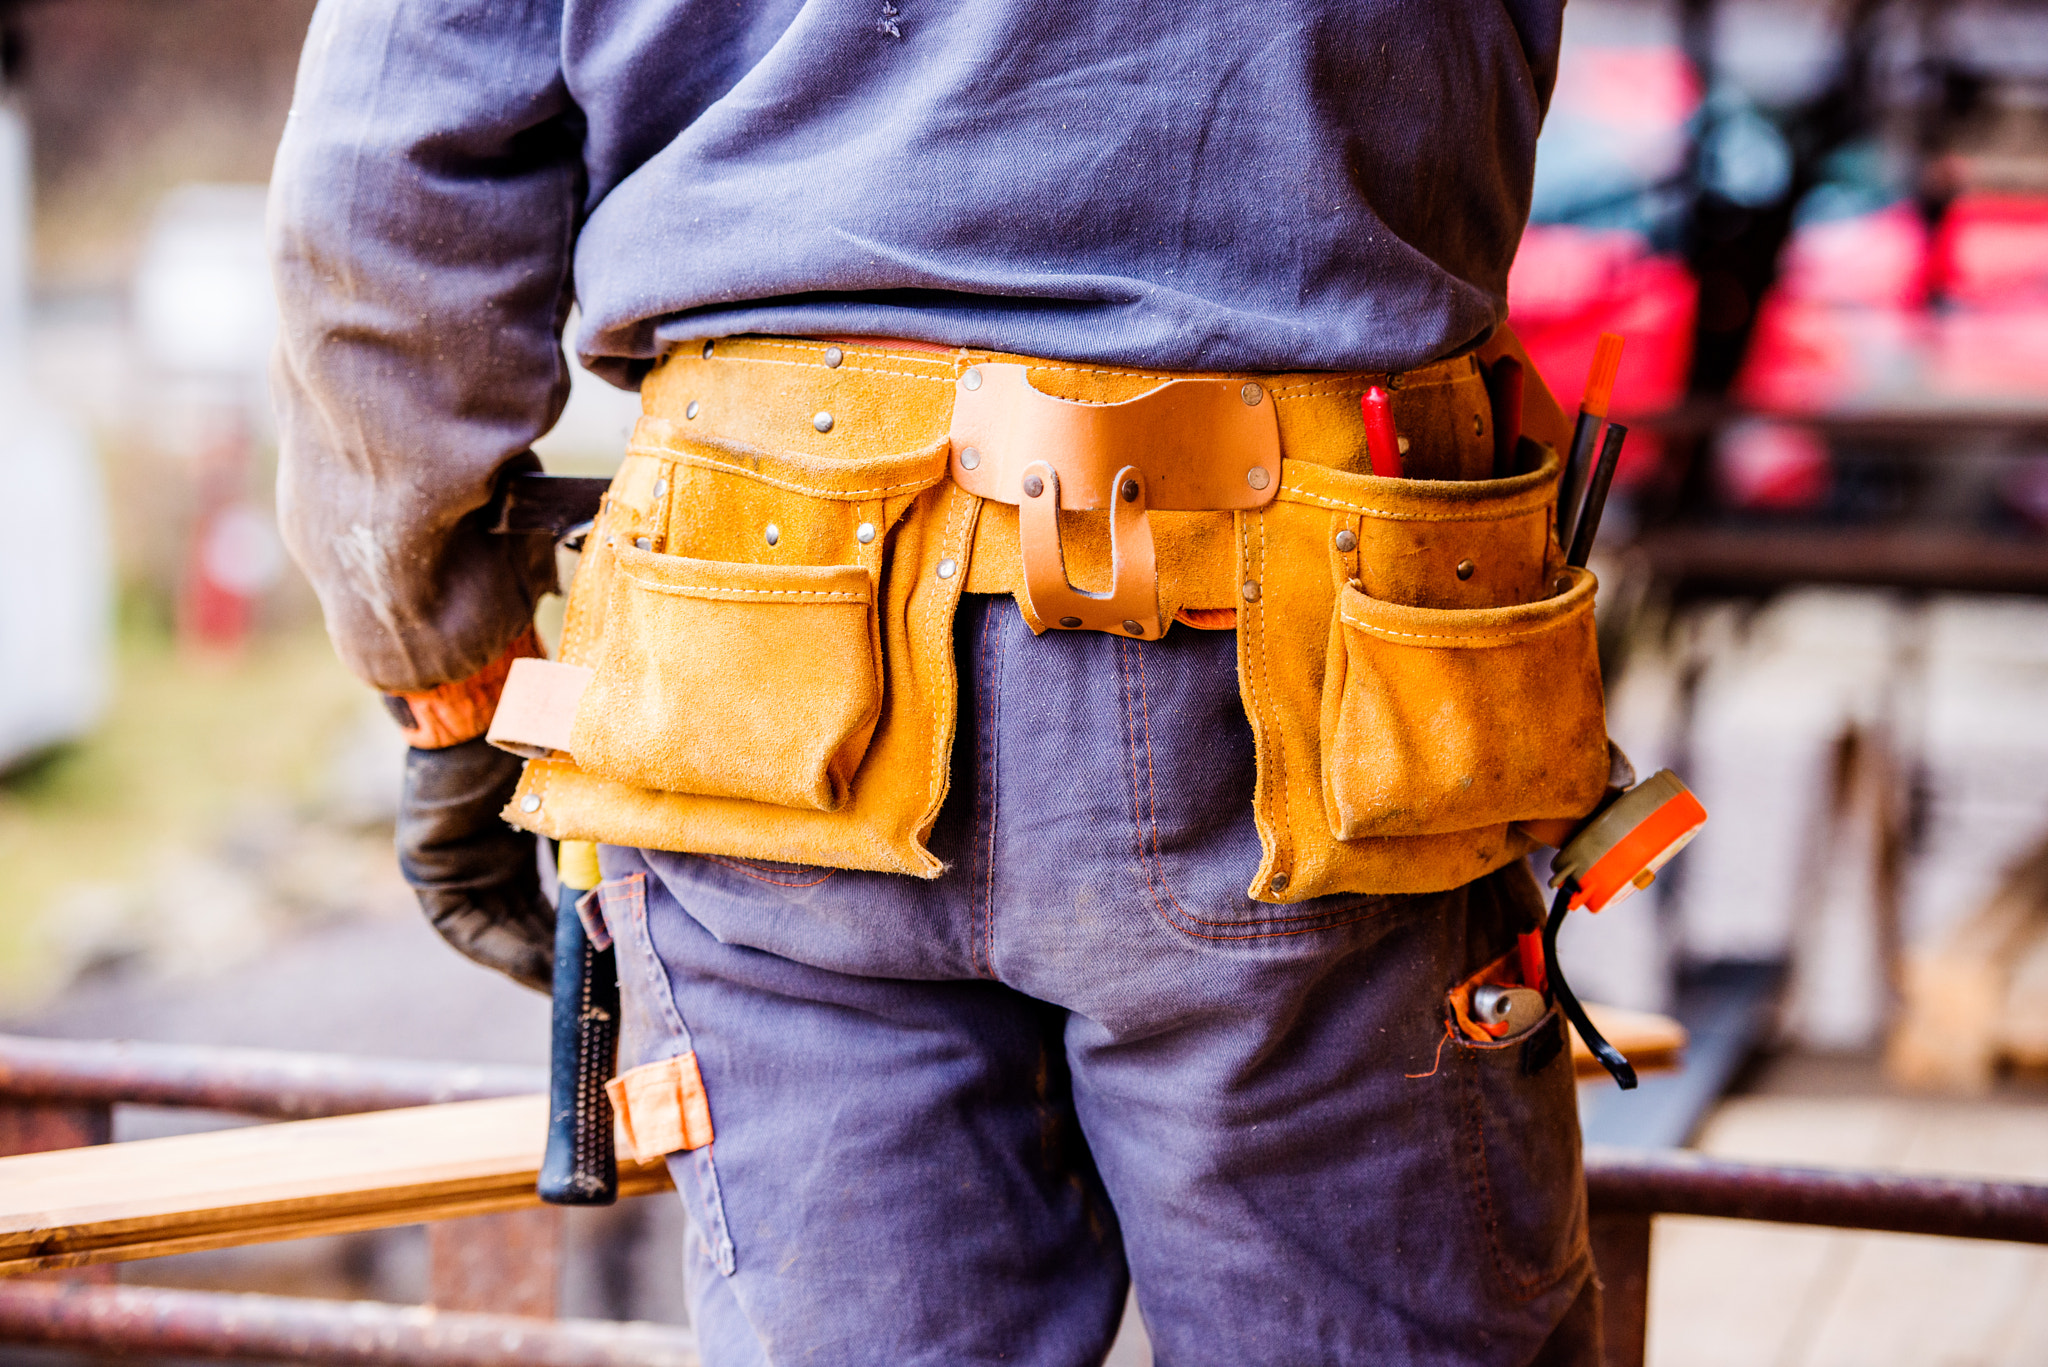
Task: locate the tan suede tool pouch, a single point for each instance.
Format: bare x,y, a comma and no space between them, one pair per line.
750,681
1408,665
765,608
1444,719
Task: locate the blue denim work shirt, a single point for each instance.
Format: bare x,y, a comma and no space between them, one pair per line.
1299,184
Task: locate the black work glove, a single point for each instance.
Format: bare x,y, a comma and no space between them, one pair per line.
477,878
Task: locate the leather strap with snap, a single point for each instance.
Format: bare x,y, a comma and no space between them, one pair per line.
1188,445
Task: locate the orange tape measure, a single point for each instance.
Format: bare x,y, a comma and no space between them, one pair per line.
1616,856
1621,850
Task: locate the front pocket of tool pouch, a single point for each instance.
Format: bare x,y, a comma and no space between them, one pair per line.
1437,720
721,680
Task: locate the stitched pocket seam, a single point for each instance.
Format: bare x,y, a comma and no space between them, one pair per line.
1145,801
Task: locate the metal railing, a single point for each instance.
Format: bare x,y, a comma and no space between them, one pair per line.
64,1092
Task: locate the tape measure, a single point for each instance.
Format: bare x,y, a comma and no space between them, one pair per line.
1614,858
1621,850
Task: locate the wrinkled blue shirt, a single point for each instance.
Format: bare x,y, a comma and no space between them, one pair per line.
1298,184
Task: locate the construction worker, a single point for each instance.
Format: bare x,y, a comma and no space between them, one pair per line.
1053,793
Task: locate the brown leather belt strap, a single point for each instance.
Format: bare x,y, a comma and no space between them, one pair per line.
1188,445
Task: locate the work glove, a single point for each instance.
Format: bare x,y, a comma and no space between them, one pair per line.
477,878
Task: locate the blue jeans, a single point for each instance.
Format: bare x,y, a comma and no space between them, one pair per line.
955,1118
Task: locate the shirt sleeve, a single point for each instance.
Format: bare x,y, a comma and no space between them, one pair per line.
422,214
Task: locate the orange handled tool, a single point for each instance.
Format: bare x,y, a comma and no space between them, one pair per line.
1592,413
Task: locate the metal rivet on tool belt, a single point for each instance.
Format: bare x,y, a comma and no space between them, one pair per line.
864,533
822,421
1130,491
1258,477
660,487
1251,394
643,543
1251,590
1133,627
833,356
1465,568
691,411
707,348
1070,622
530,803
1478,425
970,459
971,380
774,533
1033,485
946,568
1278,883
1347,541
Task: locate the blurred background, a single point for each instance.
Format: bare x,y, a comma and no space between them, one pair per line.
1822,227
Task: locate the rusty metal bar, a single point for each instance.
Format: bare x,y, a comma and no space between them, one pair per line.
1751,558
1674,1182
257,1082
135,1320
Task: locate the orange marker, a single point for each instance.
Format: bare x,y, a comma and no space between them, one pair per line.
1571,487
1382,445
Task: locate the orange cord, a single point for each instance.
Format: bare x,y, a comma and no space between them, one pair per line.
1438,1064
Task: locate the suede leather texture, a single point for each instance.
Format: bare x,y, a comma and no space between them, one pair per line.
734,712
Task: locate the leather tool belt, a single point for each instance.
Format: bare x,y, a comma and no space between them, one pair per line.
757,658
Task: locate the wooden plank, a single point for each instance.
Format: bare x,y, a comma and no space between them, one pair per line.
285,1181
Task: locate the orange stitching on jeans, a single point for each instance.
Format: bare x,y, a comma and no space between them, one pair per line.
741,867
1521,1288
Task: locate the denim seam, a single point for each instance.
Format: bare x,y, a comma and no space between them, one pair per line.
1145,801
1474,1104
746,870
722,1251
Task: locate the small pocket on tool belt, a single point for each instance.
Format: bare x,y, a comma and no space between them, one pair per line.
722,680
1438,720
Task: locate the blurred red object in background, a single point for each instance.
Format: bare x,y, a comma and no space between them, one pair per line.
1876,260
1845,321
1569,285
1772,466
1873,312
1990,267
1991,252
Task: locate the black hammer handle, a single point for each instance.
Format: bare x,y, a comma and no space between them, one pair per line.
580,1167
